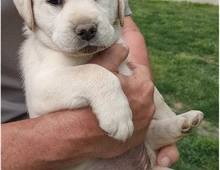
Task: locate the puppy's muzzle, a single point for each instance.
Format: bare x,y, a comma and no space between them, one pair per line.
86,31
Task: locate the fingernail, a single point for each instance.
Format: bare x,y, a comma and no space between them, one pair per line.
123,44
165,161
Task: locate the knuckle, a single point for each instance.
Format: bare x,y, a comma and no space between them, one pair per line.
143,69
148,90
152,110
124,52
147,98
151,88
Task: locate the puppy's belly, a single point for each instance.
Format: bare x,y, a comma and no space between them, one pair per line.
134,159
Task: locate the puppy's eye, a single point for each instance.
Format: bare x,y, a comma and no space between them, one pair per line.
55,2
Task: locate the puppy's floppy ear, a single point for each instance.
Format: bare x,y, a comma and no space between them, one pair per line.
121,11
24,8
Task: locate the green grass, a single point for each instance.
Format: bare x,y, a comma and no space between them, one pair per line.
200,155
182,40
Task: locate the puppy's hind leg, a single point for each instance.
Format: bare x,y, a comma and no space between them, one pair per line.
194,118
164,132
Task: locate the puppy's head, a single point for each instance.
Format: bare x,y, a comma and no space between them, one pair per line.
79,27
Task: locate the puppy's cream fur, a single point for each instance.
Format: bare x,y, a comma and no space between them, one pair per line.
56,76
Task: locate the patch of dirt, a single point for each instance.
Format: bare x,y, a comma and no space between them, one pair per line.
207,129
177,106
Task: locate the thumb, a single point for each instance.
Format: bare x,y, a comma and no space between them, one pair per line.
168,156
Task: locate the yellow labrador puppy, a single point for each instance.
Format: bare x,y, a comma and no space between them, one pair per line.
62,35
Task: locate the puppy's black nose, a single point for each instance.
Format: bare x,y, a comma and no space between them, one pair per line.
86,31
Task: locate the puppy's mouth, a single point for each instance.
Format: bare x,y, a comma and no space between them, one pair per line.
92,49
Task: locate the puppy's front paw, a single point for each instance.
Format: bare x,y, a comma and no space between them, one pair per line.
115,118
118,123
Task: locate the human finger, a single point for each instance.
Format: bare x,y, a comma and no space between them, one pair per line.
168,156
112,57
138,68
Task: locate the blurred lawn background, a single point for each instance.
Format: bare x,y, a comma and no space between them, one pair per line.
182,39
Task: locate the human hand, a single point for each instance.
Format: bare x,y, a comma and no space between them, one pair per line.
139,90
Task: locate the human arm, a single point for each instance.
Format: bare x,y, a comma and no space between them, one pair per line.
139,54
137,46
67,137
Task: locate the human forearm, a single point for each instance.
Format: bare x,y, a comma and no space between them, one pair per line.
54,140
135,40
65,138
